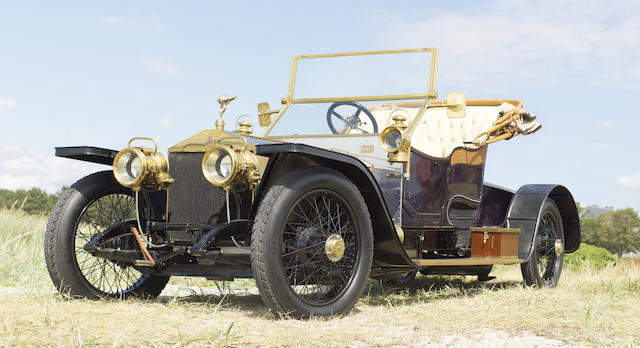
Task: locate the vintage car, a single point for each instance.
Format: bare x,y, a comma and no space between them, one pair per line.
381,191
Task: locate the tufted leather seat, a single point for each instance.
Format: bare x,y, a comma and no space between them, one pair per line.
437,135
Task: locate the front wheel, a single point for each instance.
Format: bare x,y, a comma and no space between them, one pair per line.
92,205
312,244
545,264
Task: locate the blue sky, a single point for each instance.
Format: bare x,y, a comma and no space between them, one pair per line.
87,73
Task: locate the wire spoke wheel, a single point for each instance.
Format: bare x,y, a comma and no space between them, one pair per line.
546,255
105,275
545,263
93,205
312,244
314,218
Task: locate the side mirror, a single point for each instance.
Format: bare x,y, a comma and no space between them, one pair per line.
456,105
264,114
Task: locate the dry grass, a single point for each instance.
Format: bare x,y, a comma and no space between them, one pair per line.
589,307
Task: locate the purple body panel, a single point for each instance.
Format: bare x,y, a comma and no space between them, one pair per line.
440,194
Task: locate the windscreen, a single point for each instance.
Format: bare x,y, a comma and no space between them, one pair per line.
363,75
327,91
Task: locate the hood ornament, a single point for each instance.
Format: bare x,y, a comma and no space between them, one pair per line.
223,100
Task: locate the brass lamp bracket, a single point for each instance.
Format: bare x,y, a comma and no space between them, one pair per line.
456,105
264,114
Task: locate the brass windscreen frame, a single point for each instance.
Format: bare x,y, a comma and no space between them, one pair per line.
430,95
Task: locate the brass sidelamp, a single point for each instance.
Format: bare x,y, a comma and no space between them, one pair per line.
395,140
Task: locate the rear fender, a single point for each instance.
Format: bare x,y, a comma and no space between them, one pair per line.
524,213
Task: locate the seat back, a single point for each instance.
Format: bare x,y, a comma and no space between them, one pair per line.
438,135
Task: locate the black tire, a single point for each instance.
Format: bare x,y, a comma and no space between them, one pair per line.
77,209
545,264
281,236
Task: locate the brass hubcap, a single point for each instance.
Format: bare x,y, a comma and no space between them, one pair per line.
559,247
334,248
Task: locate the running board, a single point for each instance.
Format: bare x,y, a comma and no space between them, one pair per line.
469,261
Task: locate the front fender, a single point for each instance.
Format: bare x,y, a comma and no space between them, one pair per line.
388,250
524,213
87,154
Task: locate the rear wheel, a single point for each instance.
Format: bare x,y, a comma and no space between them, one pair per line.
545,265
312,244
90,206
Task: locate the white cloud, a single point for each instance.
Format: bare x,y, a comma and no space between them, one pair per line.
22,167
632,181
163,65
7,104
167,122
537,41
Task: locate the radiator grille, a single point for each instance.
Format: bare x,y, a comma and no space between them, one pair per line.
191,198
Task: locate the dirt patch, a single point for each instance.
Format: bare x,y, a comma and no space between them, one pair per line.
496,338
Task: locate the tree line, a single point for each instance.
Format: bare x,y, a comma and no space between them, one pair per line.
617,231
34,201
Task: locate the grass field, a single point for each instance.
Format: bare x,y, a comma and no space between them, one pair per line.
589,307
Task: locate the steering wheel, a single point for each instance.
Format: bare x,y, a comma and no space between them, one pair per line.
351,118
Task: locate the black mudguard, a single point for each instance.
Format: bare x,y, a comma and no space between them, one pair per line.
524,213
388,250
87,154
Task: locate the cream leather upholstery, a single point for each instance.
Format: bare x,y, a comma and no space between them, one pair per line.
437,135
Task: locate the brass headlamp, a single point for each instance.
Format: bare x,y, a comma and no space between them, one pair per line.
231,164
141,167
395,141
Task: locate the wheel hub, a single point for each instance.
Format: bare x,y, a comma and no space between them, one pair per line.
558,246
334,248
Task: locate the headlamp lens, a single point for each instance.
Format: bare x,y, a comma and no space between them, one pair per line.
218,166
128,168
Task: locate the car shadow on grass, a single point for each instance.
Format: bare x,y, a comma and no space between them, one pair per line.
224,299
426,289
423,289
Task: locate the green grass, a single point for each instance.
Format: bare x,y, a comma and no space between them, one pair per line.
592,305
22,249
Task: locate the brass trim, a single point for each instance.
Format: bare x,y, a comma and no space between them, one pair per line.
276,119
289,99
334,248
359,98
495,230
558,246
471,261
433,227
400,233
155,145
340,135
